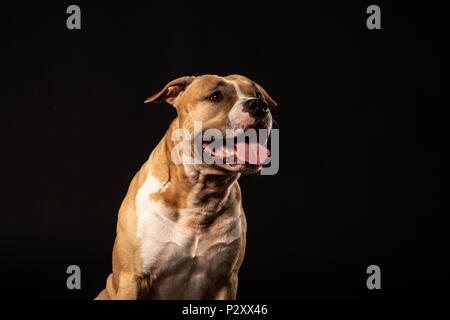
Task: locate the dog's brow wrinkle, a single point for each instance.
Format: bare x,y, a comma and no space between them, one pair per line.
218,85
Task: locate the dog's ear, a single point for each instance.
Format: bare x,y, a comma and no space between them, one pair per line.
268,99
171,91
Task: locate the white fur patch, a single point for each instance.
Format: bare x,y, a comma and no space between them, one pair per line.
236,113
153,227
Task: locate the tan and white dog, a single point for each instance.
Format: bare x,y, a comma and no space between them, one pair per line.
181,229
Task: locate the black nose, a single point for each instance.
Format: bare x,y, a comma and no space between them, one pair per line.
256,107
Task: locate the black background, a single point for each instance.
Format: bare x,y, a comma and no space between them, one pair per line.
363,133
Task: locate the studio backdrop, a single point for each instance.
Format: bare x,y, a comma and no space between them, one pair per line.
363,174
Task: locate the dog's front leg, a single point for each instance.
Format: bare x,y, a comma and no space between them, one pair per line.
126,289
227,290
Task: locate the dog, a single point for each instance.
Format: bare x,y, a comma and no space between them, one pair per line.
181,229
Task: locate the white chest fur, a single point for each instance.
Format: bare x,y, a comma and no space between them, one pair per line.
181,262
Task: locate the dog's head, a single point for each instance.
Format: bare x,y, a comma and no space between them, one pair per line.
234,115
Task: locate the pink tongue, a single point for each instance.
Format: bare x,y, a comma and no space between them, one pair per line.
219,151
253,153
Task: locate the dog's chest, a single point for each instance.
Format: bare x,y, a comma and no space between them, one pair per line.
182,264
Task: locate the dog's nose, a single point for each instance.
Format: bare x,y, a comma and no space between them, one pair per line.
256,107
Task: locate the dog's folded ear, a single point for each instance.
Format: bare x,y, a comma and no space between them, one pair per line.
268,99
171,91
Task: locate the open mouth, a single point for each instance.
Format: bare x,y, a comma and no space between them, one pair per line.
237,151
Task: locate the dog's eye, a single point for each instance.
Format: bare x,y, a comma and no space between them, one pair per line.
215,96
258,95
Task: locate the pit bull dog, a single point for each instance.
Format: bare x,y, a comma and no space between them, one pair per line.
181,230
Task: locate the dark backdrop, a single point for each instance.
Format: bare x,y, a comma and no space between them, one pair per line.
363,176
